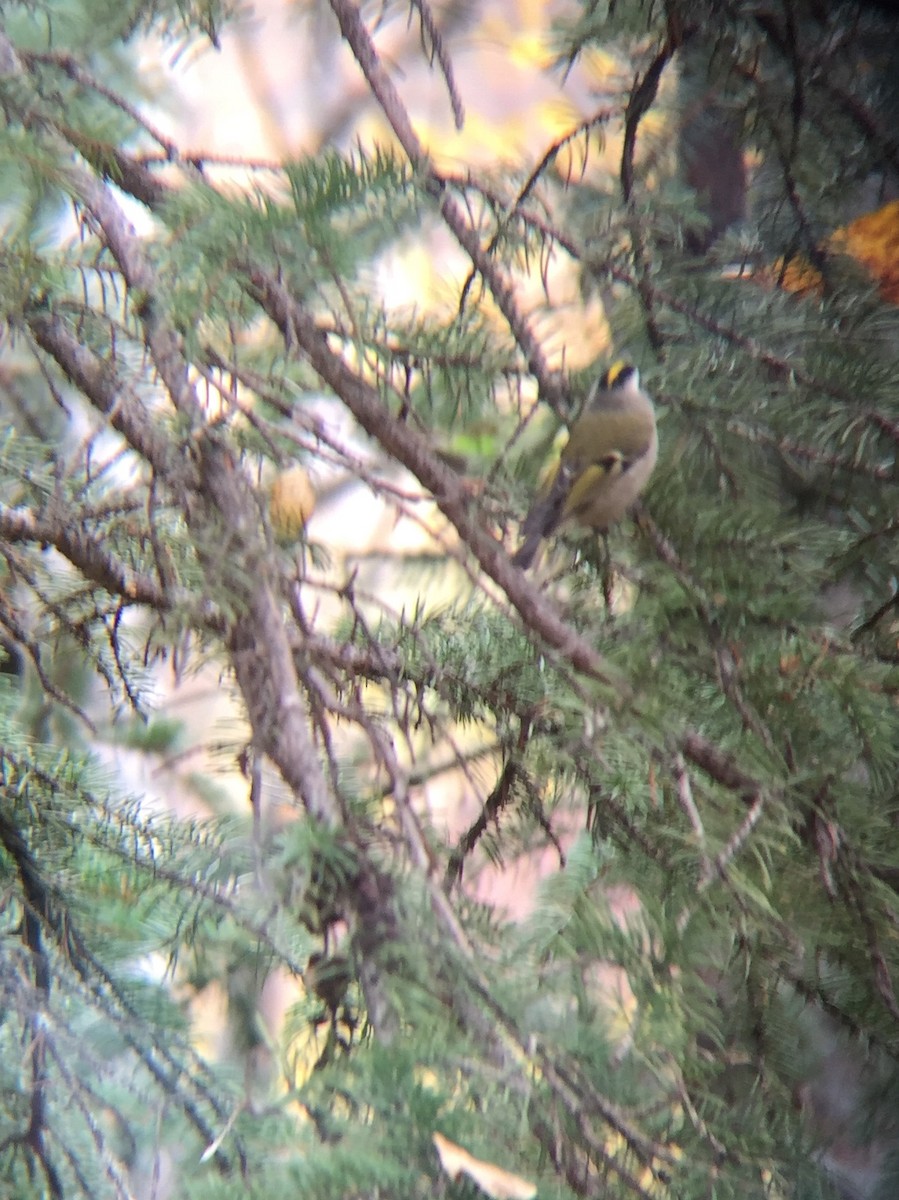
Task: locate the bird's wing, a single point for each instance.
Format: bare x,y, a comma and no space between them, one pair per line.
588,479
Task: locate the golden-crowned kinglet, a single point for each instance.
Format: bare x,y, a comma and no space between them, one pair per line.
609,456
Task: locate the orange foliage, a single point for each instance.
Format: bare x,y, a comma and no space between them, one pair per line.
872,240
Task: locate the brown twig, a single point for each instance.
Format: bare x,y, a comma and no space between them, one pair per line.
359,40
433,45
641,100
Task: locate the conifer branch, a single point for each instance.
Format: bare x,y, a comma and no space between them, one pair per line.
69,65
359,40
720,766
641,100
46,912
87,1105
871,622
434,47
711,720
499,798
410,448
215,500
14,623
514,210
35,902
88,555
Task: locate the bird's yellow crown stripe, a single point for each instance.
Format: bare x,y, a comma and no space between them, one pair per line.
614,372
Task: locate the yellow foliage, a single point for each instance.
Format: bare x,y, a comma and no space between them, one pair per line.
495,1181
291,504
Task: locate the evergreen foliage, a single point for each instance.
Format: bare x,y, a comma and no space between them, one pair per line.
694,733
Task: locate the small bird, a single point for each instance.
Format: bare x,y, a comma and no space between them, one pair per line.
607,460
